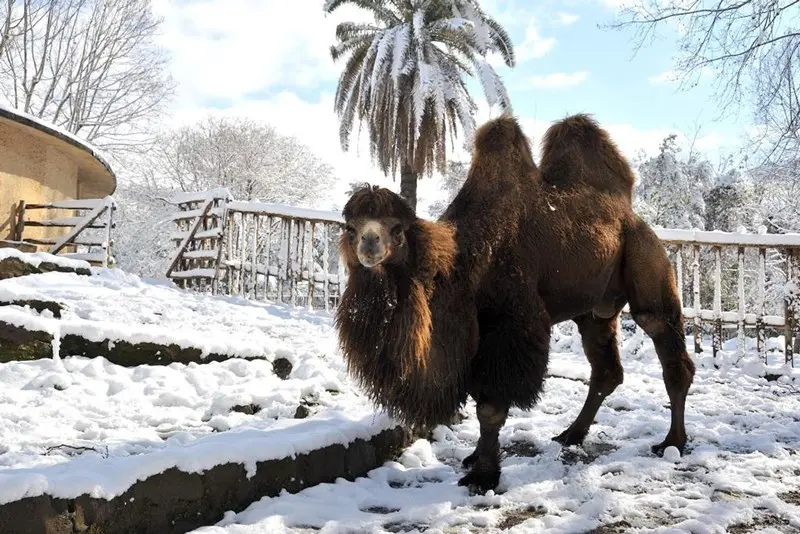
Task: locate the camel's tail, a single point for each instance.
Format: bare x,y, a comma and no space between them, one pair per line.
577,149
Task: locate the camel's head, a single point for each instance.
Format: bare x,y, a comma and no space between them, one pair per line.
376,223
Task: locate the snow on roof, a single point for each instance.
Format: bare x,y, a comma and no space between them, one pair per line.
57,131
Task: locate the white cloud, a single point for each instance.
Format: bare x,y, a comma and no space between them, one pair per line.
534,46
566,19
673,77
665,77
617,4
559,80
226,49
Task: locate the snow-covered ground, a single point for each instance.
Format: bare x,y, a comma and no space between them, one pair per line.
115,305
77,425
742,467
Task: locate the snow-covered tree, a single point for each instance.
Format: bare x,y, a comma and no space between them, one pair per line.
252,160
405,79
670,189
92,67
731,203
778,188
751,47
144,223
452,181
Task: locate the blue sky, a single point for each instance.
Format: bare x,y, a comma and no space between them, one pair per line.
268,60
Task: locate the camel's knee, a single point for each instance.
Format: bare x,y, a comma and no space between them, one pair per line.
491,415
670,345
608,378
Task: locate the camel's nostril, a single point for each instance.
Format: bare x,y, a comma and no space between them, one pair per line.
371,238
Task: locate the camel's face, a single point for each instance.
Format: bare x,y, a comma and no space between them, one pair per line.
377,241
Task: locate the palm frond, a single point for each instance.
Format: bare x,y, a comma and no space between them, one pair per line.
377,7
405,79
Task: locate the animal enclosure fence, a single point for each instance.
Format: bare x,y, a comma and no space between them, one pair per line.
733,286
257,250
88,225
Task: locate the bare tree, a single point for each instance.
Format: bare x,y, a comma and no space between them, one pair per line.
752,47
250,159
10,21
89,66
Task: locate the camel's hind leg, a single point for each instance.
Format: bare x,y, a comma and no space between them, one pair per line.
655,306
599,337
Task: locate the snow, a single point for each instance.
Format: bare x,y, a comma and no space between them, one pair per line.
282,210
194,273
728,238
115,305
45,125
744,435
76,425
36,258
133,455
84,425
219,193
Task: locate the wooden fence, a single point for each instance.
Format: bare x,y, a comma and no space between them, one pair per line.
730,284
88,222
200,222
255,250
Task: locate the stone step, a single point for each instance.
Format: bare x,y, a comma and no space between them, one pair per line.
192,494
14,266
20,344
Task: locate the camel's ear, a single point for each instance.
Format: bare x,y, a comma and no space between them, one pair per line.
436,247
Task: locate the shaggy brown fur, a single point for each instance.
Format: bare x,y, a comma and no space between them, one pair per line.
423,328
398,323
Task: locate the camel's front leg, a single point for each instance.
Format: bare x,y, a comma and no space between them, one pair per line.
485,461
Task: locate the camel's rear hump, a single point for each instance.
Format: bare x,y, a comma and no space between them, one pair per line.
577,150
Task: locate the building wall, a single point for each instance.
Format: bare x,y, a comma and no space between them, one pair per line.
33,169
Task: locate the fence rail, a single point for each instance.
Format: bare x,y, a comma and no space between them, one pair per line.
89,224
729,283
750,283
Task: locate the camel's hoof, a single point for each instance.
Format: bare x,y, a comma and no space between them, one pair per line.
469,460
568,438
480,481
659,449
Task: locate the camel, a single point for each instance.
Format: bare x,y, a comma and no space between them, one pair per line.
435,311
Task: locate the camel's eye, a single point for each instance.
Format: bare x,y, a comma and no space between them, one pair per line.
397,229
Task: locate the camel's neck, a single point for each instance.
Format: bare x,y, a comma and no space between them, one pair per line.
385,312
386,326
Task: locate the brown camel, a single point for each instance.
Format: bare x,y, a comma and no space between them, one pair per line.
436,311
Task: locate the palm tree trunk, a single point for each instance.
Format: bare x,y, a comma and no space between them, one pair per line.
408,185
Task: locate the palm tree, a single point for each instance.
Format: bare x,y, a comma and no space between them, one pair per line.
405,79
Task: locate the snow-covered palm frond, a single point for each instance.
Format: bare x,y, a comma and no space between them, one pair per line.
405,76
378,7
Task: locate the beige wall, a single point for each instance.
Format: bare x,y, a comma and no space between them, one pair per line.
32,168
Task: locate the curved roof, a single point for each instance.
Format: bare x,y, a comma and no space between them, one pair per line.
94,172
